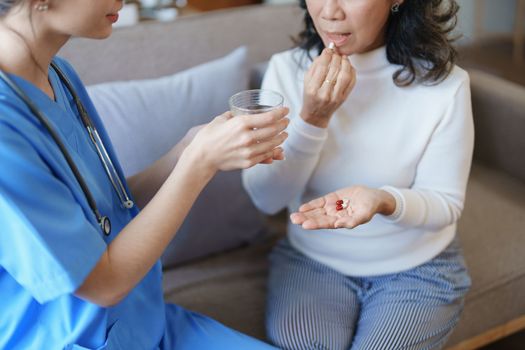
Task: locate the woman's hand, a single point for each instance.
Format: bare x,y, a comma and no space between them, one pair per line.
229,142
363,204
327,84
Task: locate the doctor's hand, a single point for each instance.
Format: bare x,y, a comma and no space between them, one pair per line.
362,204
327,84
229,142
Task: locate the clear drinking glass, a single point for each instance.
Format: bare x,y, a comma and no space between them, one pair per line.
255,101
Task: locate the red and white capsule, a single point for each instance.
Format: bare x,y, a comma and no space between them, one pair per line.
342,204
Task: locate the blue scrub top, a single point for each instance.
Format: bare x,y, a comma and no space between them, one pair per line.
50,239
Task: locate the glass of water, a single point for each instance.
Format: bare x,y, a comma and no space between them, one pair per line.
255,101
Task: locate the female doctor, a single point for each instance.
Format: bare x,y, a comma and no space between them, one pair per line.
79,264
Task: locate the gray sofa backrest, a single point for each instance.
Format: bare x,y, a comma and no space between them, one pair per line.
499,121
151,50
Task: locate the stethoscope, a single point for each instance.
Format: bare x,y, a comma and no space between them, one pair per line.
103,221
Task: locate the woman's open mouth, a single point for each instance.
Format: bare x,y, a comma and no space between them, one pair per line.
339,39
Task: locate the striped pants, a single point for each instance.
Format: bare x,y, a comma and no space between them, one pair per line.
311,306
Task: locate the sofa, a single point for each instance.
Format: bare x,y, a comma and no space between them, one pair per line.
217,264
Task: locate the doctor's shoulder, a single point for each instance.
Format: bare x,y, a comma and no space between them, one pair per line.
14,113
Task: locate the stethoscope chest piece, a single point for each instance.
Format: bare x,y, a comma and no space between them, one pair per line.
105,224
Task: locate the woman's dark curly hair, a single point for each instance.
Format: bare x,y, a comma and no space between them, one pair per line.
417,38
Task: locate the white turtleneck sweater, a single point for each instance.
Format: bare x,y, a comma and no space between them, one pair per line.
415,142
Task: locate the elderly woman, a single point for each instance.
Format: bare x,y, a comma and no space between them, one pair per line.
379,149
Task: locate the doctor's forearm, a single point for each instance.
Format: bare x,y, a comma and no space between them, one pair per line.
140,244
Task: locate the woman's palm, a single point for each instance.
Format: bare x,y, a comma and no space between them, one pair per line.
323,213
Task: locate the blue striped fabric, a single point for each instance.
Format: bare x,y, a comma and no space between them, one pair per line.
311,306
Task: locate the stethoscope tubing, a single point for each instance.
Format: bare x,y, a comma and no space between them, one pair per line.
116,182
103,221
97,142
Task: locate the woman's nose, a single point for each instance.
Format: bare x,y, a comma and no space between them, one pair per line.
332,10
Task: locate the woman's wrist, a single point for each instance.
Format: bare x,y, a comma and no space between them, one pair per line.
320,122
387,204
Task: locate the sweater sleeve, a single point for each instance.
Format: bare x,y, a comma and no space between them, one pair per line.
273,187
436,197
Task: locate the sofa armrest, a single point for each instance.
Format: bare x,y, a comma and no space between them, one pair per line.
499,120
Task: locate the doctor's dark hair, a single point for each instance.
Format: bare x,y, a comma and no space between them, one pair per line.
416,37
6,5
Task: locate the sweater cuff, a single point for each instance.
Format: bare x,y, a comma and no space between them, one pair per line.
399,211
305,137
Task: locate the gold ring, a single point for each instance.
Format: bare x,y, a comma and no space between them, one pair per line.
328,81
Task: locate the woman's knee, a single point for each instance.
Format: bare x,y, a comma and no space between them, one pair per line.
290,328
294,336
